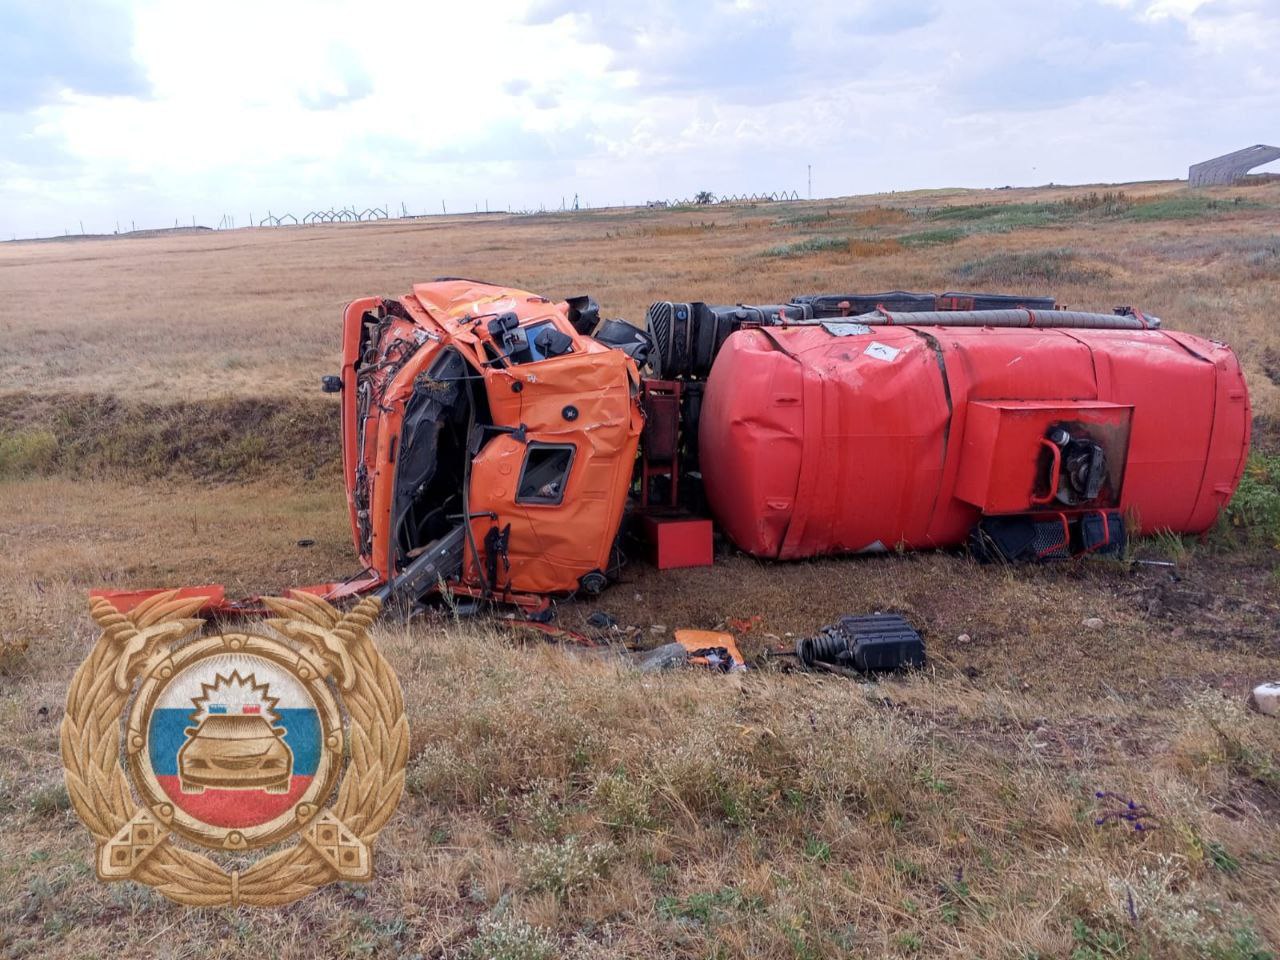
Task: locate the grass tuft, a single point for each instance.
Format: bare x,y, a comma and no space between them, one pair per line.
27,451
1187,206
933,238
1036,268
1254,511
1090,207
1002,217
1263,260
808,246
49,800
852,246
565,867
508,938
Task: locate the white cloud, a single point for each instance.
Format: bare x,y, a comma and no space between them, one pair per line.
296,105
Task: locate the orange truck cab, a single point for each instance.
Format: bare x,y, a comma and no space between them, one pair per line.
484,425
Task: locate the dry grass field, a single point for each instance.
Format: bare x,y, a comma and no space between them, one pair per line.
160,423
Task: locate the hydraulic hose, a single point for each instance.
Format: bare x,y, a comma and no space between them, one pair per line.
1006,318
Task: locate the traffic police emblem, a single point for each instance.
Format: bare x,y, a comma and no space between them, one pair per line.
234,742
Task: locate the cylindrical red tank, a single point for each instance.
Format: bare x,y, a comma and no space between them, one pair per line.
833,438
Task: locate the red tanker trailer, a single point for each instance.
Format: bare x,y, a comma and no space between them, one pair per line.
909,429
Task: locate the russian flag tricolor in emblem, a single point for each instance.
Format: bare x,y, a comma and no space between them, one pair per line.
234,740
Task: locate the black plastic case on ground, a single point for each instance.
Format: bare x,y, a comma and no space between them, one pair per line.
880,641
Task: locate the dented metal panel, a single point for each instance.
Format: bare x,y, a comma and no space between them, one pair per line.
535,383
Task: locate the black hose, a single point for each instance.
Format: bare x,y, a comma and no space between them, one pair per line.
827,646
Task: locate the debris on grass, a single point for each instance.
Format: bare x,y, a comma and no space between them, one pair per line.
876,642
669,656
706,648
1124,810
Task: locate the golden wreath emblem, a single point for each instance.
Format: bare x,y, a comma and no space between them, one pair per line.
234,742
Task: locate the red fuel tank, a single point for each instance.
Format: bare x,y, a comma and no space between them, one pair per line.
838,437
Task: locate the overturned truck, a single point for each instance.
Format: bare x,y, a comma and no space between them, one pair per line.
494,440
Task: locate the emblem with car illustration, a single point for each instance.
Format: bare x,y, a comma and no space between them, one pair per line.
238,745
235,742
236,739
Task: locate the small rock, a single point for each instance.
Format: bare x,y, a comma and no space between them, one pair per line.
639,598
1092,623
963,638
657,628
1266,699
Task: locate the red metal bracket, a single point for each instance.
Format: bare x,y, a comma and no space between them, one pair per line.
660,451
1054,469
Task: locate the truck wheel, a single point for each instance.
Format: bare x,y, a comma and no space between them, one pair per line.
593,583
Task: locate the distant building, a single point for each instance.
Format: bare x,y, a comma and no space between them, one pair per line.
1230,167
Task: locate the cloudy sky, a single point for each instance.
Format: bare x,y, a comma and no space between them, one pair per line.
148,112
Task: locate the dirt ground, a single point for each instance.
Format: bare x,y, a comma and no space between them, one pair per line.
160,423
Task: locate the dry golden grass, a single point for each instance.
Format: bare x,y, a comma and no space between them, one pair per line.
562,805
255,312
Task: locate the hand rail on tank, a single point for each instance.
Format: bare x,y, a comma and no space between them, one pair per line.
1020,317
